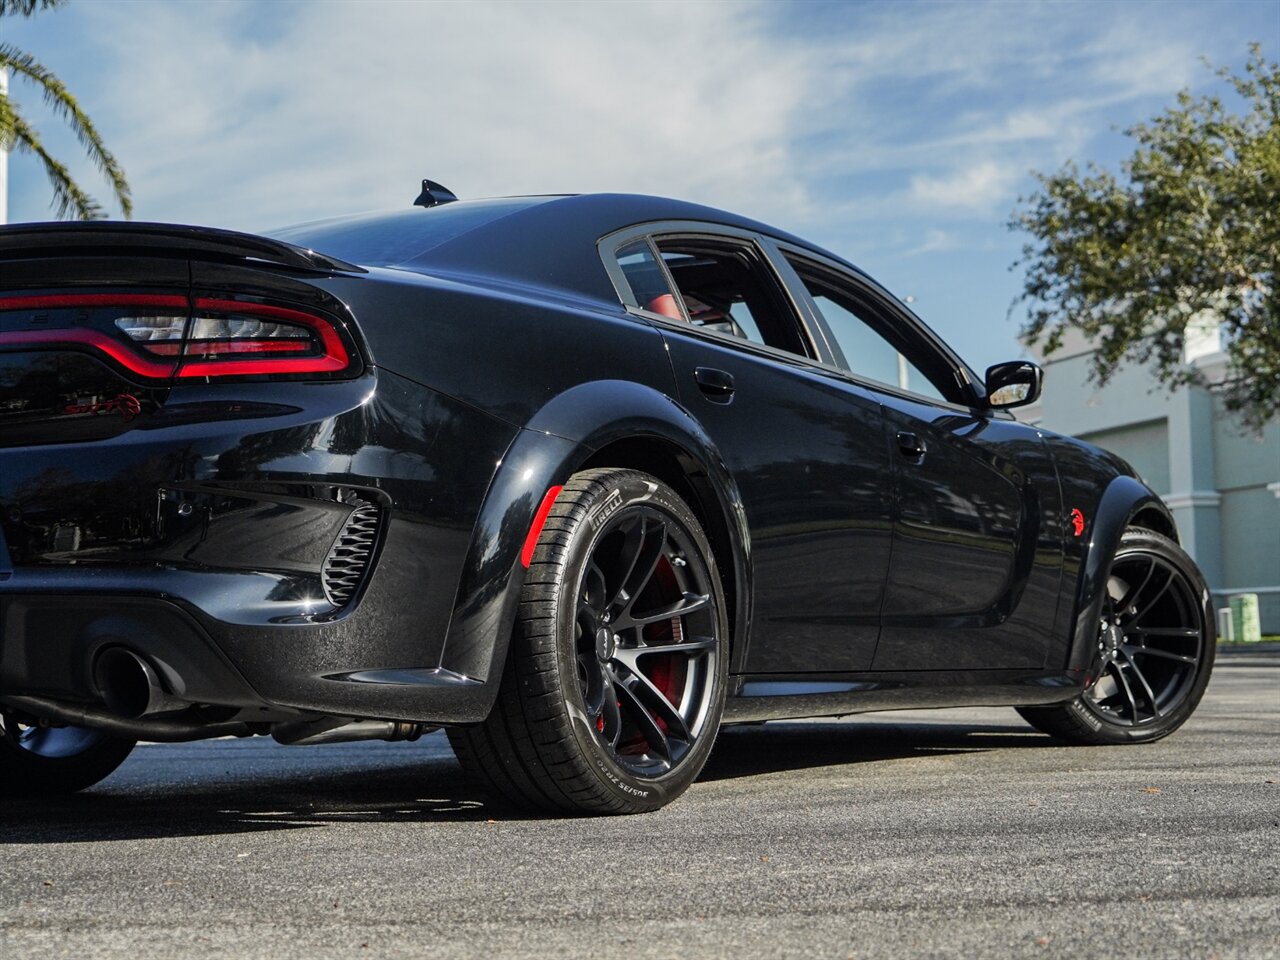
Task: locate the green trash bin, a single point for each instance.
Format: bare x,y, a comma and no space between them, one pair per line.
1246,625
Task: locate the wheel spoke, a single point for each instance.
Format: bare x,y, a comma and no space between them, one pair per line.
685,605
629,656
1128,600
1155,599
589,678
612,727
1128,691
1181,632
1132,651
642,549
596,588
656,702
645,722
1146,687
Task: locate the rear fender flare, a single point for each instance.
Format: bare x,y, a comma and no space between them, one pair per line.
560,437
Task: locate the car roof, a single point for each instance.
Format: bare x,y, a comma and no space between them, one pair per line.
543,241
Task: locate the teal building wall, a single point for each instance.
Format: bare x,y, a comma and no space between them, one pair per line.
1221,481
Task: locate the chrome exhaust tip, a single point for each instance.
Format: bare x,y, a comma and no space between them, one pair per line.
130,686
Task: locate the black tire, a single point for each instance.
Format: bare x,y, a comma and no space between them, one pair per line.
598,713
1156,644
39,761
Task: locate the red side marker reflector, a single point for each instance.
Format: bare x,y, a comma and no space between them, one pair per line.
535,531
1077,521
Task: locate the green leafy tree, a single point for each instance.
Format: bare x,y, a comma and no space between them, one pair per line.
1190,231
16,132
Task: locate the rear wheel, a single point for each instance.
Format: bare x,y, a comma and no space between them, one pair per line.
1155,649
42,760
615,680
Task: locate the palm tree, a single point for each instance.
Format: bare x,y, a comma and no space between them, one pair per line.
16,133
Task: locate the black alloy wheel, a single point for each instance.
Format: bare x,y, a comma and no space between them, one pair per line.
40,759
1154,654
616,677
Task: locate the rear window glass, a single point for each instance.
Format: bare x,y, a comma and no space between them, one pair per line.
648,284
385,239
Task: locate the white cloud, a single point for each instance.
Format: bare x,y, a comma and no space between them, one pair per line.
935,241
349,105
982,186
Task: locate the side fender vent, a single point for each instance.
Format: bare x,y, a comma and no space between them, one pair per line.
348,561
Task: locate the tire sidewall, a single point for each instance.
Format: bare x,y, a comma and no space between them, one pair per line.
26,774
619,494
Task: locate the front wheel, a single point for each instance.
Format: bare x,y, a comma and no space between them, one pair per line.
615,680
1155,650
42,760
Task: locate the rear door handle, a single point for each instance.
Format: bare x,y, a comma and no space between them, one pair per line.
716,385
910,446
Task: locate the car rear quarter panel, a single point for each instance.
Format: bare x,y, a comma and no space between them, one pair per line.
503,349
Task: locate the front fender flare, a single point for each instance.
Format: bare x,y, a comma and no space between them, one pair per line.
1122,500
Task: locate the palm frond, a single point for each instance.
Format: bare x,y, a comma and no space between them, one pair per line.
25,8
67,195
64,104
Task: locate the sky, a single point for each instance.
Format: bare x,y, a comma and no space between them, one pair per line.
899,135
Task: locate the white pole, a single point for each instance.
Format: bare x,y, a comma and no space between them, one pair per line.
4,158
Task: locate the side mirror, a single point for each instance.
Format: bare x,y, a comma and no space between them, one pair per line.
1013,384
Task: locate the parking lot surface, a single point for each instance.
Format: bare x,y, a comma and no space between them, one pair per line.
941,834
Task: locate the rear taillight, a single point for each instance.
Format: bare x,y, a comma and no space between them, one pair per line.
160,336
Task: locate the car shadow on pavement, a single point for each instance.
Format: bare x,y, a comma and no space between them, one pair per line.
429,790
749,750
190,795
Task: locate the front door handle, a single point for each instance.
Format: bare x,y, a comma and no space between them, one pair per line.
716,385
910,446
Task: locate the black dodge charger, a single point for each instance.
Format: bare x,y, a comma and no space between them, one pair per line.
577,478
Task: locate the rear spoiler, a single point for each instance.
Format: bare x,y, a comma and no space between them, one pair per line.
115,238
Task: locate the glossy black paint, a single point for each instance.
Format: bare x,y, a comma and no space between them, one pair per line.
878,549
977,544
809,457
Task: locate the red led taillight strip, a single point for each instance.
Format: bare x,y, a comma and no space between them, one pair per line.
334,357
79,336
94,339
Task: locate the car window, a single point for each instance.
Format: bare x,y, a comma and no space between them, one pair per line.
726,288
648,283
874,347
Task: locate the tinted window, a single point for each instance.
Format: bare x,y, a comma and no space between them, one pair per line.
867,353
385,239
874,342
648,283
726,288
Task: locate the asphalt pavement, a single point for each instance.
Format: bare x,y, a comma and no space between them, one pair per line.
923,833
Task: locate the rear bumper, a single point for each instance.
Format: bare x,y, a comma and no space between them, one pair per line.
202,545
53,626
